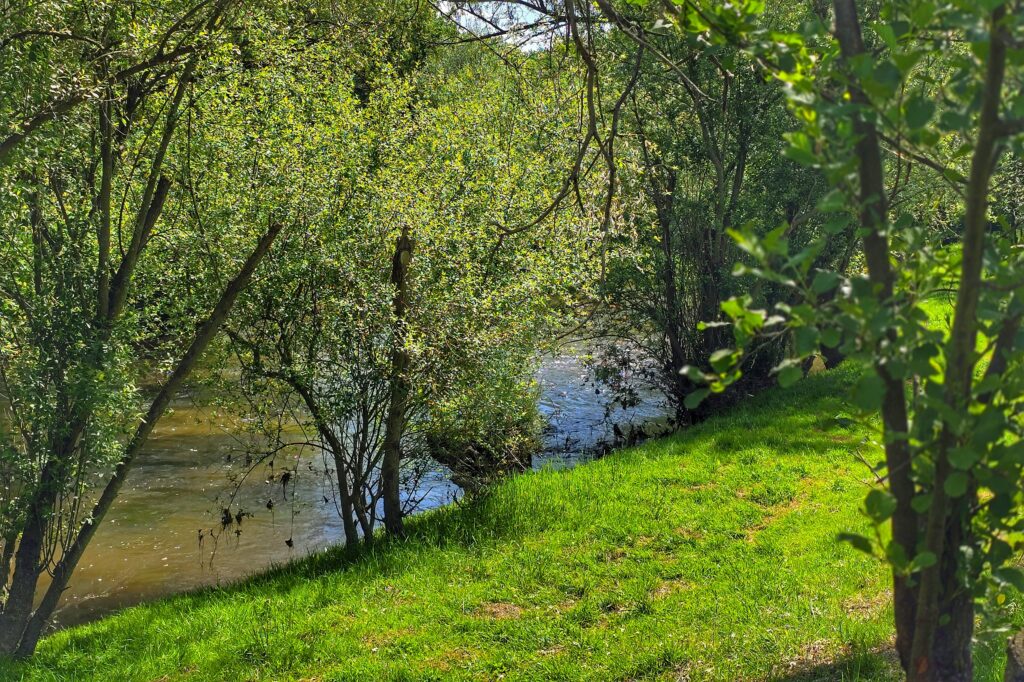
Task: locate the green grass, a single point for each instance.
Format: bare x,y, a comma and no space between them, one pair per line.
710,555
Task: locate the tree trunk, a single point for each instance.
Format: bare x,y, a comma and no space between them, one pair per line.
677,356
18,606
5,562
394,425
950,657
29,560
873,218
938,649
936,618
346,499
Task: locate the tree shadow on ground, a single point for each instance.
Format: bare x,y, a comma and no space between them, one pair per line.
876,665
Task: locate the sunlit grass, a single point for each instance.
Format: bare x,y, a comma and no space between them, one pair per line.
710,555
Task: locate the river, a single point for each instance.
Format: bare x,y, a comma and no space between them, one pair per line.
157,540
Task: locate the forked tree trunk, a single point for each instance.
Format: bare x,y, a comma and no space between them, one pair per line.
934,617
394,424
944,619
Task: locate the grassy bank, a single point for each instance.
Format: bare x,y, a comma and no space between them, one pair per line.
708,555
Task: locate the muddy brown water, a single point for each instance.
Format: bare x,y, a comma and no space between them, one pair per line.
162,536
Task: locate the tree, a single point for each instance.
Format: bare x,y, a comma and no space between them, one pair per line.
700,145
687,137
85,184
934,87
405,311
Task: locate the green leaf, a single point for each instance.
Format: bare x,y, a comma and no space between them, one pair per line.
830,337
693,400
732,307
806,340
918,112
921,359
692,373
833,202
1013,454
805,157
868,391
922,13
1010,575
789,375
722,359
999,552
883,81
953,120
887,35
964,458
879,505
896,555
956,484
824,282
836,224
905,61
800,149
922,561
921,503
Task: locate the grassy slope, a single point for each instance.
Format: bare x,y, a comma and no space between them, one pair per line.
708,555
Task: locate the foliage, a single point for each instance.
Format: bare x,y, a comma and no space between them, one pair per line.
446,155
699,153
486,429
101,289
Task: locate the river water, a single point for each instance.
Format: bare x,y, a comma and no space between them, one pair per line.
161,538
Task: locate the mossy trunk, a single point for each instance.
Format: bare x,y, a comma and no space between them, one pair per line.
1015,659
394,424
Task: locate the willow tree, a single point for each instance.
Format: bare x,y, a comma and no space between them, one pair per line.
404,320
101,285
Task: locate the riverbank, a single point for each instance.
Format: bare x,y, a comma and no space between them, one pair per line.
163,536
707,555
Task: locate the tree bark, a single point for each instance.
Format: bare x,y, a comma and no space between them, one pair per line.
5,559
394,425
1015,659
873,217
663,202
27,569
942,652
103,207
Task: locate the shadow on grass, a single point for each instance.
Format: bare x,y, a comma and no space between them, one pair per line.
864,666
